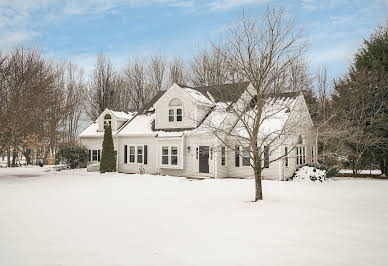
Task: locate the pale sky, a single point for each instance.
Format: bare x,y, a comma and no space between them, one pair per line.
79,30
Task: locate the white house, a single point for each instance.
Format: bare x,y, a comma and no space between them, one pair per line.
189,132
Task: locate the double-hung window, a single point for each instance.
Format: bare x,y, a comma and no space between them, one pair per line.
164,155
223,155
178,114
266,156
312,154
246,156
132,154
174,155
286,156
140,154
170,156
171,115
300,155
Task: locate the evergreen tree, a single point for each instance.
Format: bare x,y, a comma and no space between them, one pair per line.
362,97
108,162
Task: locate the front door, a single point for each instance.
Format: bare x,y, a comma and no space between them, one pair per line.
204,159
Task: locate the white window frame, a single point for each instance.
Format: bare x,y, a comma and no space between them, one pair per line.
245,156
136,154
170,155
300,155
171,115
92,158
175,148
165,155
223,156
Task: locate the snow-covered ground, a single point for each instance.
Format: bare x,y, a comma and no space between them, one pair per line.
77,218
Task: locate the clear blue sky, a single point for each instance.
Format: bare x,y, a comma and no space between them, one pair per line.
78,30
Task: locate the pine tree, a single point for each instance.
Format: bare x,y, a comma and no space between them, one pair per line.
108,163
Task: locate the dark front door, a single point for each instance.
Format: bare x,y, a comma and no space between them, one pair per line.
204,159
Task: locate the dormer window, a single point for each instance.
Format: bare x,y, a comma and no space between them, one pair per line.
175,110
107,121
178,115
171,115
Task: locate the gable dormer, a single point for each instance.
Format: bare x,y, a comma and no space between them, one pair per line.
113,119
181,107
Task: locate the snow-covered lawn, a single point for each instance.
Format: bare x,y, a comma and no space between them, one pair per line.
77,218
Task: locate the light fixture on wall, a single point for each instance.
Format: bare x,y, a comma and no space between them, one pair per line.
188,149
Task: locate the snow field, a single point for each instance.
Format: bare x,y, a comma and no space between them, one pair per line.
77,218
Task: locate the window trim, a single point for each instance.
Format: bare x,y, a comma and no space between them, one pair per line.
286,156
170,156
98,152
244,157
179,115
300,155
266,156
223,155
171,116
136,154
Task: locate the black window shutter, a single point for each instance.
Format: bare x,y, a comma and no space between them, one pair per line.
125,154
145,154
237,156
90,155
98,155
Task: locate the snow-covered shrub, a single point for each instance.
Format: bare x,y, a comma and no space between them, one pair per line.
310,173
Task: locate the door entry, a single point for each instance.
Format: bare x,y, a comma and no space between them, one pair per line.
204,159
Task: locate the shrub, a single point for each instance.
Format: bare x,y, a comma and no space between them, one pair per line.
315,172
75,157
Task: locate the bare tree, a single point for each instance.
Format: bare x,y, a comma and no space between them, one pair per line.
157,68
177,71
101,87
264,52
136,83
208,69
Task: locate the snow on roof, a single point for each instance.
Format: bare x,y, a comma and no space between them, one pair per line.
274,117
199,97
123,115
140,125
92,131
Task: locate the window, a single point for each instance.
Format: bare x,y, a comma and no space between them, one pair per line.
266,156
237,156
300,155
139,154
246,156
175,109
131,154
312,154
164,155
174,156
171,115
179,115
286,156
125,153
95,155
223,156
107,121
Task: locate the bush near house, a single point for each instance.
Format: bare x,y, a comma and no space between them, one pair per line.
315,172
108,162
75,157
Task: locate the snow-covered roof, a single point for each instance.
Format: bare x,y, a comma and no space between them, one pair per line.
140,125
199,97
123,115
92,131
276,112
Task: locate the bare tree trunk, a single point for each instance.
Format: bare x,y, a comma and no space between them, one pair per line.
258,185
9,157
